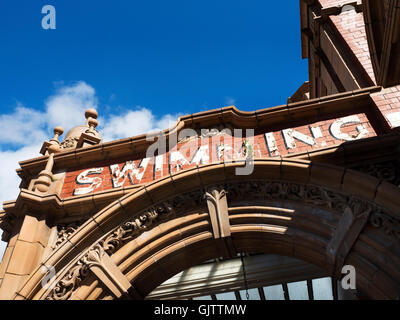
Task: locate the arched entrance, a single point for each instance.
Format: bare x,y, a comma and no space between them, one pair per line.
322,214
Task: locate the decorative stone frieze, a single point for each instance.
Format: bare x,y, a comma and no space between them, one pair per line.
64,231
160,212
97,261
387,223
316,196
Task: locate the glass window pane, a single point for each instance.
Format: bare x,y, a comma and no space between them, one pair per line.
253,294
298,290
202,298
274,292
322,289
226,296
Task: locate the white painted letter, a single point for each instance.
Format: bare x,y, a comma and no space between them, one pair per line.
290,134
394,119
271,144
128,171
201,156
94,182
336,126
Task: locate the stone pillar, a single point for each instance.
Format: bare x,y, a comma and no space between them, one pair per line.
23,254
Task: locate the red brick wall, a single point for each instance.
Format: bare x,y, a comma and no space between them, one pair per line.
334,3
351,27
388,102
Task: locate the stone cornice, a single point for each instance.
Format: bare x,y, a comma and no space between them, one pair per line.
71,208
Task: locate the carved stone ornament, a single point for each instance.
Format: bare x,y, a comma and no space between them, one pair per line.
64,231
160,212
388,171
70,142
389,225
7,222
122,234
248,190
67,285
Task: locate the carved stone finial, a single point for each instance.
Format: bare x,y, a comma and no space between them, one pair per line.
54,148
83,135
91,116
92,123
45,178
58,131
91,113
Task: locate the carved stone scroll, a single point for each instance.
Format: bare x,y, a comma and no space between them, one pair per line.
106,271
99,262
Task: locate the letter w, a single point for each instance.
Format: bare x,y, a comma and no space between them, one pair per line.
129,170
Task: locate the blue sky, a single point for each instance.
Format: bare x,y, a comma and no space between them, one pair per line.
140,63
176,55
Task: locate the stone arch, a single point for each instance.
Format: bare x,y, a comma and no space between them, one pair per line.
323,214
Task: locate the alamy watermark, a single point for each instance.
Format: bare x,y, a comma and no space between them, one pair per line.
210,146
49,20
50,275
348,282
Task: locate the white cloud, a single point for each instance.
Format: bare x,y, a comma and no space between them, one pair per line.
132,123
128,124
230,101
24,126
168,121
3,246
9,181
66,108
27,128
